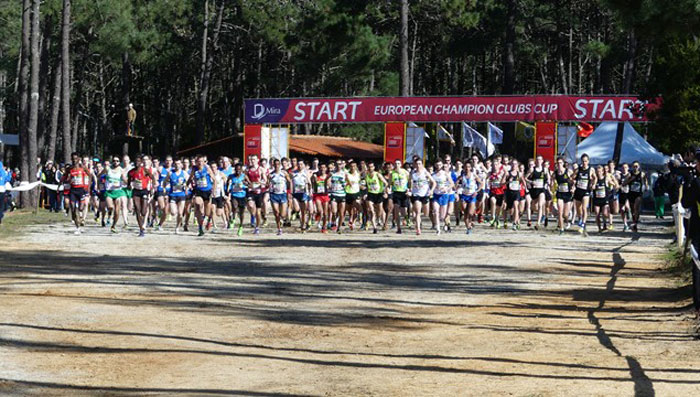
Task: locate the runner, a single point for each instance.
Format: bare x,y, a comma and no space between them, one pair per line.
441,195
78,178
301,189
623,197
497,180
321,197
538,178
400,195
603,189
514,182
279,183
204,184
563,180
115,196
469,185
218,201
376,194
638,184
615,197
422,186
336,184
584,180
352,193
141,179
176,188
255,180
236,188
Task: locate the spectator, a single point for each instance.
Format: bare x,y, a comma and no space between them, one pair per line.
4,178
659,190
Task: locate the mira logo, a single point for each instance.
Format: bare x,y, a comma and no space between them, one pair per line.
260,111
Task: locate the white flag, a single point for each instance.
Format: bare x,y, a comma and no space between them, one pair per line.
467,135
496,134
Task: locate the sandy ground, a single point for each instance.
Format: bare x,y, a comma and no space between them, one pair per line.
495,313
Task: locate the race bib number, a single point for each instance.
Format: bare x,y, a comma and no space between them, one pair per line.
600,193
514,185
202,182
582,184
636,187
320,188
137,184
563,188
177,188
538,184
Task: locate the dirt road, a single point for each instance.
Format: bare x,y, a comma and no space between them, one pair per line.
494,313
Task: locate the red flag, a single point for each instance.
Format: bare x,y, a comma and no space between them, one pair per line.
584,129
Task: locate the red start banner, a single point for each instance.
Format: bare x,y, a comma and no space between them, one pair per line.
445,109
394,141
252,140
546,141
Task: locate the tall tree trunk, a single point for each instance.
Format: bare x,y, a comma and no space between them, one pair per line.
630,63
126,99
55,110
405,75
44,78
65,81
24,97
3,87
33,196
207,64
509,69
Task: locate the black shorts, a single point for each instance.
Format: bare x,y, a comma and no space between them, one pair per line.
600,202
376,198
579,194
218,201
101,196
633,196
479,196
567,197
547,195
424,200
400,199
142,193
177,199
160,194
78,194
535,193
256,198
240,201
623,197
338,199
351,198
499,199
205,195
512,197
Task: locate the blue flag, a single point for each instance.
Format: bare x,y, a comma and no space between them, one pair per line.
496,134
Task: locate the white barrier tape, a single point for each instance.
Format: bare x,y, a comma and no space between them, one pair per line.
26,186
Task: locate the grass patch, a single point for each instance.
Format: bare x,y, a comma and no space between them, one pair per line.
14,222
676,266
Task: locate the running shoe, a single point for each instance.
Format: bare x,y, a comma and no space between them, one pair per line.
374,231
108,222
417,232
279,232
568,225
481,218
537,226
159,228
498,224
77,232
561,231
398,231
625,228
492,223
177,230
437,231
505,225
209,225
546,221
256,231
334,228
324,231
515,227
264,223
201,232
240,230
142,233
185,228
113,229
469,231
529,223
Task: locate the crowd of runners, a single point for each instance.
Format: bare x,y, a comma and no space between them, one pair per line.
341,195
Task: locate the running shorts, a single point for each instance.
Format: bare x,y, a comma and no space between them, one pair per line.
633,196
600,202
623,198
160,193
451,198
376,198
547,195
499,199
566,197
218,201
78,194
101,196
350,198
338,199
512,196
204,194
469,199
301,197
424,200
115,194
278,198
177,199
323,198
240,201
256,198
580,194
441,199
142,193
535,193
401,199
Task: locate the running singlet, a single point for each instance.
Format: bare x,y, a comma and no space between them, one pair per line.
562,182
113,180
278,182
254,175
625,188
514,181
469,185
537,179
601,189
374,185
583,178
101,183
420,184
219,192
237,186
353,185
441,184
495,183
300,182
202,180
636,183
399,181
79,179
320,184
162,175
338,184
139,179
177,182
